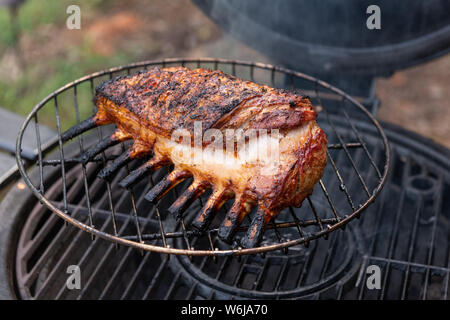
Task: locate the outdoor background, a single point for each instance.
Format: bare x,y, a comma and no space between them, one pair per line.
39,54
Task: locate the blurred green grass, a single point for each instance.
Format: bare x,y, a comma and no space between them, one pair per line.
45,74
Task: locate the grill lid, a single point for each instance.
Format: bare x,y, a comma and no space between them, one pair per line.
323,37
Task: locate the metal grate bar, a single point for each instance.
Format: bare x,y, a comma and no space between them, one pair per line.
330,250
135,215
313,208
257,283
281,274
339,290
172,286
39,147
394,234
360,139
372,242
190,295
83,165
55,162
155,279
242,266
342,185
272,77
297,222
185,235
222,267
133,203
135,276
447,279
436,209
410,264
104,161
330,202
278,235
183,227
352,162
160,223
306,266
203,263
61,154
412,244
392,243
348,145
291,82
211,245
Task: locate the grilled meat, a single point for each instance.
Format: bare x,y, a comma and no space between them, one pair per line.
150,106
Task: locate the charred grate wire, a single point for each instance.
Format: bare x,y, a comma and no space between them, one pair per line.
311,225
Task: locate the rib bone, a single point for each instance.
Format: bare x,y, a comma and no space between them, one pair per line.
256,229
206,215
135,176
185,200
233,219
78,129
166,184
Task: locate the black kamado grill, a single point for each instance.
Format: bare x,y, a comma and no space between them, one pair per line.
128,248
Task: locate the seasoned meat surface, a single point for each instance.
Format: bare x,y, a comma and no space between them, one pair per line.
173,98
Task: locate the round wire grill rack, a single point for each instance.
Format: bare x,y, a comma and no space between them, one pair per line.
343,193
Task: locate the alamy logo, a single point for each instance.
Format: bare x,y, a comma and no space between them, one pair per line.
374,20
74,20
373,277
74,280
230,148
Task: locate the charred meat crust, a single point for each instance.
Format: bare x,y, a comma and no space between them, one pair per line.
174,98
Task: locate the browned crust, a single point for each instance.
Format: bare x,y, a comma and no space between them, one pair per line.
294,184
174,98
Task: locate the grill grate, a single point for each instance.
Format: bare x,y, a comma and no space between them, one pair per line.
367,168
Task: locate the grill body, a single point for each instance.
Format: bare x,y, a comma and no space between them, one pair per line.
405,233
